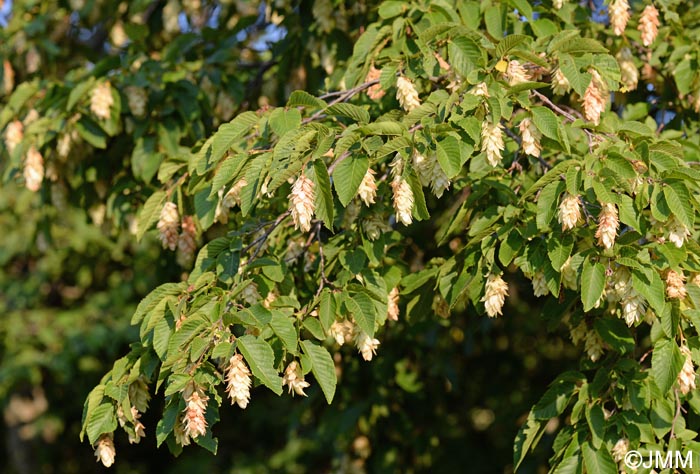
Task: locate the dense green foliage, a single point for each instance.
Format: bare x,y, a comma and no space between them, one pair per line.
314,164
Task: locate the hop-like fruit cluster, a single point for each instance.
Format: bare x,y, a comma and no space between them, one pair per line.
594,345
33,170
569,212
539,284
366,345
368,188
608,224
187,242
649,24
620,449
375,225
301,203
374,92
196,401
101,100
14,134
560,84
596,97
407,94
342,331
676,232
495,295
238,380
619,12
294,379
675,285
104,450
531,137
392,310
492,142
8,77
516,73
403,200
629,74
168,225
686,378
137,99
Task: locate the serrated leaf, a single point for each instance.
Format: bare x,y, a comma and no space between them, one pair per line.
347,177
510,42
153,298
352,111
552,175
559,249
150,213
221,141
326,309
78,91
598,461
283,326
303,98
547,203
228,170
322,367
465,55
546,122
449,156
571,71
582,45
284,120
592,283
261,359
363,310
91,132
527,438
666,363
101,420
679,202
324,197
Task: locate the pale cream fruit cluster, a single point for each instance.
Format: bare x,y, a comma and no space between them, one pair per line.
250,294
495,295
366,345
14,134
294,379
629,74
649,25
516,73
539,284
392,310
168,225
620,449
101,100
492,142
594,345
8,77
596,97
33,170
608,223
622,290
104,450
686,378
407,94
619,11
676,232
301,203
368,188
238,381
569,277
569,212
402,200
342,331
560,84
531,137
137,100
430,173
375,225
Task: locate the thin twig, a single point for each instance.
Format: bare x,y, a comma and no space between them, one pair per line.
565,114
259,241
345,96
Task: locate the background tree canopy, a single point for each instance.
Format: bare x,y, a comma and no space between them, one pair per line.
328,236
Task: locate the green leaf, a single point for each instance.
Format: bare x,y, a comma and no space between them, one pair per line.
679,202
582,45
547,203
324,198
449,156
304,99
347,177
559,248
153,298
322,367
649,285
150,213
545,120
552,175
229,169
91,132
616,334
326,309
683,74
354,112
597,423
383,128
527,438
283,326
221,141
78,92
465,55
261,359
282,121
363,310
666,363
598,461
145,160
511,41
571,71
101,420
555,400
592,283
